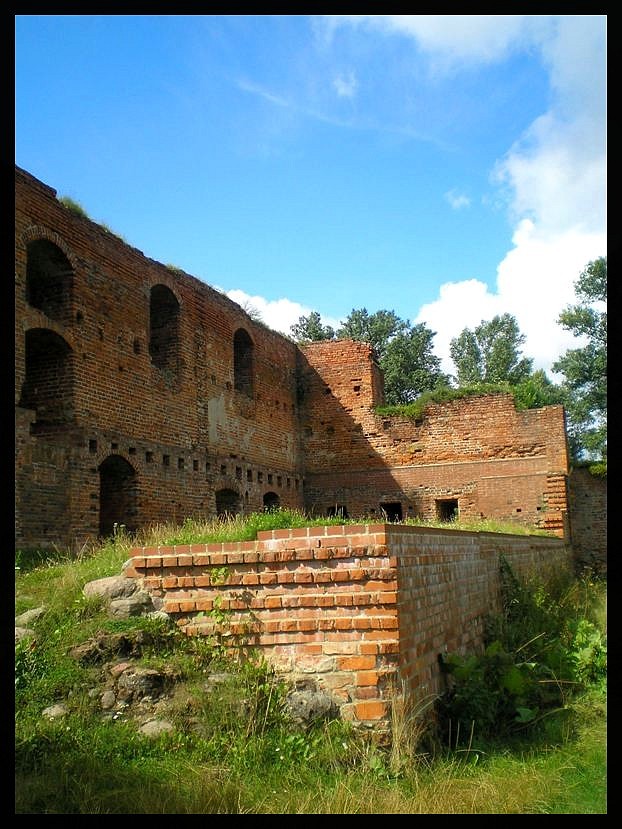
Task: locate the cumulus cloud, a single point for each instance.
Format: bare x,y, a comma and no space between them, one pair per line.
553,177
457,200
535,281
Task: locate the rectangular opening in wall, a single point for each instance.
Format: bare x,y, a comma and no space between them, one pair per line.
180,463
223,469
392,510
149,457
447,509
166,460
195,466
92,446
249,475
238,473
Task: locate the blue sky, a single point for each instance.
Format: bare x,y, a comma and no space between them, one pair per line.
448,168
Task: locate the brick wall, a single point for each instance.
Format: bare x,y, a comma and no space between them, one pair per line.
145,396
353,607
492,460
85,381
588,514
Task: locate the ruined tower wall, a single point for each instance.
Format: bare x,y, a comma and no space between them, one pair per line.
492,460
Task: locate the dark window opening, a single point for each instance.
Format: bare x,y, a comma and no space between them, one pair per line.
48,383
243,362
392,510
117,496
227,502
164,328
339,510
49,280
271,502
447,509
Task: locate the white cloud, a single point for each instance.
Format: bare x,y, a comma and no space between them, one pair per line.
278,314
554,175
535,281
450,40
345,86
457,200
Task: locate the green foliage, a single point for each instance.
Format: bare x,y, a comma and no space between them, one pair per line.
404,352
74,206
234,749
531,393
585,368
311,329
490,353
541,650
243,528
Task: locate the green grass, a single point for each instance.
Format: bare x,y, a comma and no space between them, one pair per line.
246,757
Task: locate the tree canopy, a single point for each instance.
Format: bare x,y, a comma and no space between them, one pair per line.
490,353
310,329
404,352
585,368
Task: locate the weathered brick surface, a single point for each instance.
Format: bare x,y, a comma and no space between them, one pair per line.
588,516
357,617
185,433
145,396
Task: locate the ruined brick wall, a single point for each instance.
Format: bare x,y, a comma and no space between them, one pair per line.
121,360
353,607
480,453
588,516
145,396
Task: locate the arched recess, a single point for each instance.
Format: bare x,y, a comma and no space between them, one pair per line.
228,502
271,501
164,328
117,495
49,279
243,362
48,383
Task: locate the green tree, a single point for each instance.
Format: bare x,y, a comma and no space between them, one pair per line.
311,329
585,368
377,329
490,353
410,367
404,352
536,391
